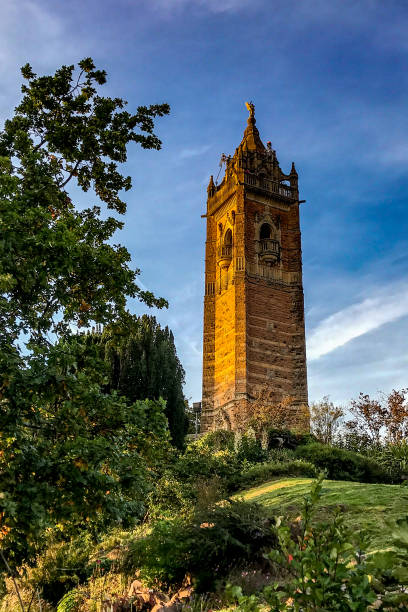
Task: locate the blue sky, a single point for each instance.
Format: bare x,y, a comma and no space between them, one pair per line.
329,80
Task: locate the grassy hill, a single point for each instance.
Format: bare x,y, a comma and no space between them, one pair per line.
368,508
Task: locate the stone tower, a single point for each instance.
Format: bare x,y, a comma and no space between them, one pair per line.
254,331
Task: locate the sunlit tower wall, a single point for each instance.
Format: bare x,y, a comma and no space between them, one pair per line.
254,330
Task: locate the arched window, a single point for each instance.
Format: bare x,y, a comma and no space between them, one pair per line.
265,231
228,238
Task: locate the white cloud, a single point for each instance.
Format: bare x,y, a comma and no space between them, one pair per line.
212,6
377,361
223,6
356,320
193,152
27,28
29,32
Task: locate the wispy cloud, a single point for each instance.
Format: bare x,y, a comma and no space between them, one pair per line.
213,6
358,319
30,21
394,153
32,32
377,361
194,151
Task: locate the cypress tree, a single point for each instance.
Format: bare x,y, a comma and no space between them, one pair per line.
143,364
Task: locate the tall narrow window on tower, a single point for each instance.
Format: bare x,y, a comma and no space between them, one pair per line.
254,330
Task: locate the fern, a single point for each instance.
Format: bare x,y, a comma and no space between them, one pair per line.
71,601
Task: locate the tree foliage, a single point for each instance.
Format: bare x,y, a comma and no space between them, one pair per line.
206,544
56,260
325,420
69,452
143,363
383,418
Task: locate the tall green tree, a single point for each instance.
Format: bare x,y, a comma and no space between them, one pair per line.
70,453
143,363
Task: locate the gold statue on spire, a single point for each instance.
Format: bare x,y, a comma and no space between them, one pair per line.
251,108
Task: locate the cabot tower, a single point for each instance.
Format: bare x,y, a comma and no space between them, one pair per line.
254,331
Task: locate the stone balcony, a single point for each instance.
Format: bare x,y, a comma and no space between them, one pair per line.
224,255
269,186
269,253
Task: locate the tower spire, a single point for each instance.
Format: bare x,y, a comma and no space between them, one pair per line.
251,140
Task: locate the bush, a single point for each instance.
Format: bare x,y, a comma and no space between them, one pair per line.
257,474
249,449
280,455
62,566
203,462
201,466
341,464
222,439
285,438
390,567
281,438
228,457
394,458
170,496
205,546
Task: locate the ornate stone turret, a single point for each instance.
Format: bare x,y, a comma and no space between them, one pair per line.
211,187
254,337
293,177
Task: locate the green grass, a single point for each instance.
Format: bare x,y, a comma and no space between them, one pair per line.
368,508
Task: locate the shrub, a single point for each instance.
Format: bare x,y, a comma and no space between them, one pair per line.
281,438
305,438
285,438
280,455
341,464
62,566
205,546
390,567
249,449
203,462
170,496
263,472
222,439
394,458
